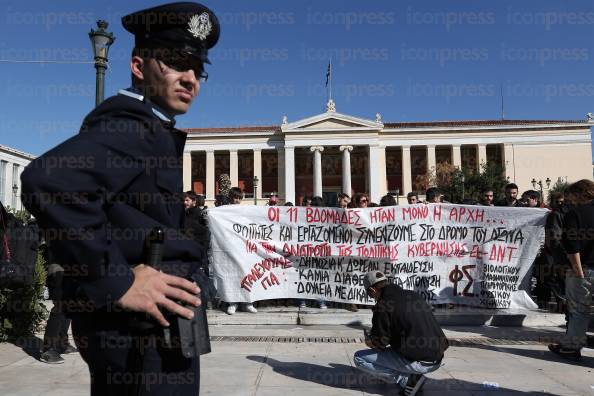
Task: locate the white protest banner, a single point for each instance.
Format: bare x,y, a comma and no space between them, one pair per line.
472,255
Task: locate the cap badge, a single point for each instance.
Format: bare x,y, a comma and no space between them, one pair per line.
200,26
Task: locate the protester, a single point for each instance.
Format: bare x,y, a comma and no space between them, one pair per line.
360,200
343,200
104,261
235,198
189,200
487,197
412,197
578,241
195,224
405,338
511,196
272,199
433,195
318,202
388,200
201,202
531,199
221,200
196,227
306,201
557,261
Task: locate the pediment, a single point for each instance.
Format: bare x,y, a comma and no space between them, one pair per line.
331,121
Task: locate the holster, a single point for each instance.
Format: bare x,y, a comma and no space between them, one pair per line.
190,336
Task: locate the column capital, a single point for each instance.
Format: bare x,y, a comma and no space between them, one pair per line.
257,149
347,148
316,148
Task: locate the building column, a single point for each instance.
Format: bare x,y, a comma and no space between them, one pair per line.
346,169
317,170
233,168
431,161
8,185
290,174
280,172
481,155
509,162
456,156
406,171
187,171
373,176
258,171
381,171
210,175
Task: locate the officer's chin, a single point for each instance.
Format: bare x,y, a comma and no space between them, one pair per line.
180,108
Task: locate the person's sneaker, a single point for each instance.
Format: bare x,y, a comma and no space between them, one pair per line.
566,353
69,349
414,384
51,357
250,308
231,308
323,305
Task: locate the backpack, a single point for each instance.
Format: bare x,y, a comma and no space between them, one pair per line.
18,251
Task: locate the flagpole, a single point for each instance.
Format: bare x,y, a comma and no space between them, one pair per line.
330,93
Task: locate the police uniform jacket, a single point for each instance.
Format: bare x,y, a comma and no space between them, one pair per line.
100,193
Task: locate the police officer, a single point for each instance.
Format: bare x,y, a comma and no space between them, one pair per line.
98,195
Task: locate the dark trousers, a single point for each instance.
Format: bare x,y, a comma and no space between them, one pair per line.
56,330
123,363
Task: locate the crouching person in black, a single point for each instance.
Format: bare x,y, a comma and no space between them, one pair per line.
405,339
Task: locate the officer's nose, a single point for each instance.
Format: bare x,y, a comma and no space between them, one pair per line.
190,81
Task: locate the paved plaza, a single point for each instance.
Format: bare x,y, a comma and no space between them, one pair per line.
270,359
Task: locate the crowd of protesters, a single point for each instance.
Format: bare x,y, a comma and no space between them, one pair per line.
555,274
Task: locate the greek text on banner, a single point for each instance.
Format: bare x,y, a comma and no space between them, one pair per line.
472,255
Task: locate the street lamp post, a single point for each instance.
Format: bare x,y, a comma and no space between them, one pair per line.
463,178
540,186
101,40
397,196
15,190
256,190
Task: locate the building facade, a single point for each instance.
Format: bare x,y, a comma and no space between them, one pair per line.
12,163
333,152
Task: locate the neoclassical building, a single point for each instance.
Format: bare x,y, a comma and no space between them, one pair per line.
333,152
12,163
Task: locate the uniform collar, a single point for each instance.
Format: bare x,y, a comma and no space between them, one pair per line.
135,93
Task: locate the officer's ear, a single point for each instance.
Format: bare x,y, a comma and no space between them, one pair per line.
137,68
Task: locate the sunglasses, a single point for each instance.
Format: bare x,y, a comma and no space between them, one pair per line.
184,63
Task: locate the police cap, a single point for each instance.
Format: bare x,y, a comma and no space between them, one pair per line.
185,28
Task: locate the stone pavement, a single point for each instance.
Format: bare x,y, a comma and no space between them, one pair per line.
270,360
